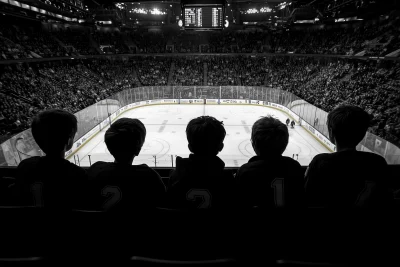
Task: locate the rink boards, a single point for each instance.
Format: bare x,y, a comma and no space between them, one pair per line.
93,132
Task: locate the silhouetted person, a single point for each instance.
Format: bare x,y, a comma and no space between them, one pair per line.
50,181
119,185
347,178
270,179
200,181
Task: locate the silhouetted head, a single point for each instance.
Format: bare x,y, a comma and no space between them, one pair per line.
54,131
269,136
125,138
347,125
205,135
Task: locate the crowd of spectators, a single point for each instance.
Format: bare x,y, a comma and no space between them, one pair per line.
18,43
240,70
188,71
323,82
238,42
371,38
377,39
10,50
71,86
119,74
153,71
112,40
78,41
15,115
149,42
222,71
187,42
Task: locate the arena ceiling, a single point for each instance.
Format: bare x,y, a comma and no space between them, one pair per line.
301,9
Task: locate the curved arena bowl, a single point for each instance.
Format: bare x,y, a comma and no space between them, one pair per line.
96,117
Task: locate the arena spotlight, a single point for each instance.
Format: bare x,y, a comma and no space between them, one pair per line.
226,23
180,23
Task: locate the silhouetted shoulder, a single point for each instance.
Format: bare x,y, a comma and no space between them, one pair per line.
350,156
131,186
35,167
272,165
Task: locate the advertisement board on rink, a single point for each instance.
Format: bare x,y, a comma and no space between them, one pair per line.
169,101
153,101
256,102
192,101
82,140
113,116
233,101
319,136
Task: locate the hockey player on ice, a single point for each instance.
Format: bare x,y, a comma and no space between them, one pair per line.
292,124
287,122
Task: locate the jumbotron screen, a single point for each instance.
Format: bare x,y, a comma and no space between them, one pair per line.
204,17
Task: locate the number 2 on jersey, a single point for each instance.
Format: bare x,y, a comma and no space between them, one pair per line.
277,185
114,194
203,194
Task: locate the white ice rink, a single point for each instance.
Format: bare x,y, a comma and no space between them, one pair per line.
166,125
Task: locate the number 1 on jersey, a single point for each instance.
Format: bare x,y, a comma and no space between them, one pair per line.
277,185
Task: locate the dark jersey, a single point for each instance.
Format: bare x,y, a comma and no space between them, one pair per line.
201,183
120,187
271,182
49,183
348,179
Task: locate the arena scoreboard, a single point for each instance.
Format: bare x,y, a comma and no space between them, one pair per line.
203,17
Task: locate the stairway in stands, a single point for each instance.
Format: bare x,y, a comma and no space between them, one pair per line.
171,73
10,93
135,75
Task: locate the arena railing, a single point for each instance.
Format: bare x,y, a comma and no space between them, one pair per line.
98,116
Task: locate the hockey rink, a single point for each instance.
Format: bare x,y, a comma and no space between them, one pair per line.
166,137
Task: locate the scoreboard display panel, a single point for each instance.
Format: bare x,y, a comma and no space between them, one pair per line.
203,17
